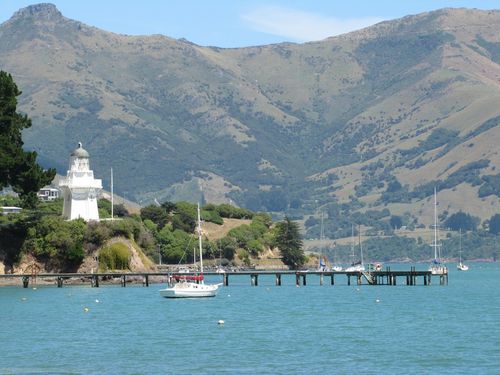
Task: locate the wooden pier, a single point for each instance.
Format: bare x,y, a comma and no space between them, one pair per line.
301,278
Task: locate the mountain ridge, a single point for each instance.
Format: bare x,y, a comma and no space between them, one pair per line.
284,127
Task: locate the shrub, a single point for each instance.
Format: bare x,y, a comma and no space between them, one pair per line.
244,257
212,216
254,247
228,247
114,257
97,233
228,211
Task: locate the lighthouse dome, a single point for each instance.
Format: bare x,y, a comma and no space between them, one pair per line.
80,152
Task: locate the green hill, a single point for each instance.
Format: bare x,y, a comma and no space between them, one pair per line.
409,103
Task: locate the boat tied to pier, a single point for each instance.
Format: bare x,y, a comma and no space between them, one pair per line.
356,266
437,267
190,286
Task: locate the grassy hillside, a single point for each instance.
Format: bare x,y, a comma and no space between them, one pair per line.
285,128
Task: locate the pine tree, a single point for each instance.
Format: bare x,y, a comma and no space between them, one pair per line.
18,168
289,241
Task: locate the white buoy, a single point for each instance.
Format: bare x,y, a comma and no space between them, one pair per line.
220,322
377,300
96,301
86,309
23,299
34,288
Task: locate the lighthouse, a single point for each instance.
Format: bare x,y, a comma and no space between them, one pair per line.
79,188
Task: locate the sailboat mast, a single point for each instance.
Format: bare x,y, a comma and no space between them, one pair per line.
352,243
360,245
112,198
460,245
199,239
322,239
435,244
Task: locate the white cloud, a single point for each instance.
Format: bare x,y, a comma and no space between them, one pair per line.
300,26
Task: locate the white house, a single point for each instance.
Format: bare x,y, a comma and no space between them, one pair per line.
48,193
10,210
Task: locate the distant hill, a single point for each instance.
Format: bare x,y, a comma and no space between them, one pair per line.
373,119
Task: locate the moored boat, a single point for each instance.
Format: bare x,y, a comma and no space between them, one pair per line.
437,267
190,286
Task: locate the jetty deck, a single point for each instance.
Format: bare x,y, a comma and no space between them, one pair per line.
301,278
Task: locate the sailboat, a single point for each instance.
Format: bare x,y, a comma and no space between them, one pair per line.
437,267
187,286
335,267
322,267
461,266
356,266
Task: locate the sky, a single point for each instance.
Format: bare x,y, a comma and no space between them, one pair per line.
240,23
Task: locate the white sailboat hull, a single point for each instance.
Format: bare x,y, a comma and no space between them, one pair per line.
190,290
462,267
438,270
355,268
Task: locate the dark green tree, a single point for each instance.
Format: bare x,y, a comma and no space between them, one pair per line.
289,242
463,221
120,210
495,224
18,168
156,214
227,245
396,222
185,217
168,206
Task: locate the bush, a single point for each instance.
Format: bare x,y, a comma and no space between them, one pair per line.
244,257
126,228
56,241
97,233
254,247
114,257
228,211
212,216
228,247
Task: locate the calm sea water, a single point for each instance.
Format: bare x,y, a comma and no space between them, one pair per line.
339,329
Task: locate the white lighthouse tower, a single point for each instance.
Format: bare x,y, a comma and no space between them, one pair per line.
80,188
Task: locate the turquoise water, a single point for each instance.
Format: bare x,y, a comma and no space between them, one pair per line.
339,329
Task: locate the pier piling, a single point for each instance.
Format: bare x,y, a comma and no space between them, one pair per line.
254,279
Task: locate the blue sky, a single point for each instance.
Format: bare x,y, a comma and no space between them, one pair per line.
240,23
